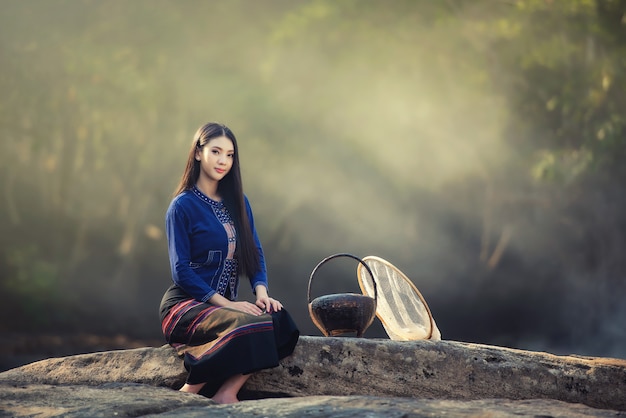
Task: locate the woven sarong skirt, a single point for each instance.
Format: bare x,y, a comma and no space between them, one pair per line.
217,343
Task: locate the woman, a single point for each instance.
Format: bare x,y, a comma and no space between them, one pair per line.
212,242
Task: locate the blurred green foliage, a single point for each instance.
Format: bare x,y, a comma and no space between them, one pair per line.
476,144
32,280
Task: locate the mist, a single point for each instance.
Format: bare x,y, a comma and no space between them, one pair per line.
414,131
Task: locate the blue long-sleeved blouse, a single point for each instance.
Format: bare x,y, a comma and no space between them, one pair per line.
201,244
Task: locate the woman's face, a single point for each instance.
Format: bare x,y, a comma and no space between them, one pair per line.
216,158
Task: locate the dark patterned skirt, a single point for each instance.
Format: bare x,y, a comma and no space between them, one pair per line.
217,343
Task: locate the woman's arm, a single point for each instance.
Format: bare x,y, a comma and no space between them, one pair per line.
260,277
259,280
179,248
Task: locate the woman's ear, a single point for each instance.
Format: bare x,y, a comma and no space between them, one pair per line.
198,154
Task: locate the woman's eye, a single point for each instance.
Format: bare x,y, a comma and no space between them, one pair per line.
231,155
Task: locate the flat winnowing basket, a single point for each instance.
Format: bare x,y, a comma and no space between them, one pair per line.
401,307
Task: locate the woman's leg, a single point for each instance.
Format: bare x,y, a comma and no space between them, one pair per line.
227,393
192,388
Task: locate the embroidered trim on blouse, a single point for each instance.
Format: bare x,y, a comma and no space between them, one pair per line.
228,277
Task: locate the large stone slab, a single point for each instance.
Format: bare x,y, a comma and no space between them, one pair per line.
140,400
442,370
108,400
154,366
367,367
366,406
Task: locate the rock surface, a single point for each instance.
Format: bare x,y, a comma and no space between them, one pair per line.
329,377
148,365
112,399
442,370
134,400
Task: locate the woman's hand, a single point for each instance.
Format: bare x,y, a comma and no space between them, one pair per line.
263,301
246,307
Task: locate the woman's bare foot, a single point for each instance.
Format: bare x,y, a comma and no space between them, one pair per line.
192,388
225,398
227,393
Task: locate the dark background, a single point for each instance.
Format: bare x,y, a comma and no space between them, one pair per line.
477,145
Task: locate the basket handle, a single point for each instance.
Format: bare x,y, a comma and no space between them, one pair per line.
330,257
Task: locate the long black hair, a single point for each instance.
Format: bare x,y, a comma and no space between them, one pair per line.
230,188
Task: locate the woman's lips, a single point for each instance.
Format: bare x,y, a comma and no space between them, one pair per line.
220,170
